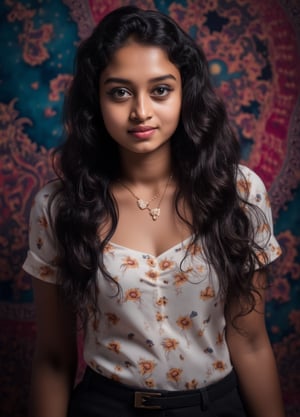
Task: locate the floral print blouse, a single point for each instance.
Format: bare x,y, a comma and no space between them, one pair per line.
165,329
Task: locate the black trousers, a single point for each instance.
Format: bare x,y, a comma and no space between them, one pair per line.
97,396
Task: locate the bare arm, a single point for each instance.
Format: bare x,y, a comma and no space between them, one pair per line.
55,358
253,359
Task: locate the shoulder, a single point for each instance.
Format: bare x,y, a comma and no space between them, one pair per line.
45,196
48,191
43,210
41,261
250,186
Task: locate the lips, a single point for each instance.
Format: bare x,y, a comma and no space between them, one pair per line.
142,132
141,129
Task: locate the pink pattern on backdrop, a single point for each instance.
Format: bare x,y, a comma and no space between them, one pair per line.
59,85
275,150
32,40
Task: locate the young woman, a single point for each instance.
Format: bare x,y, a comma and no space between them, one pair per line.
154,236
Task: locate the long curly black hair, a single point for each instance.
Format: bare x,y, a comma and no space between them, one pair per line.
205,154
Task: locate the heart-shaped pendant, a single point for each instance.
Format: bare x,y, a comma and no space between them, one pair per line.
142,204
154,213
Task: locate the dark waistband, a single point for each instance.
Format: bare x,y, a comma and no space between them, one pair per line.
160,399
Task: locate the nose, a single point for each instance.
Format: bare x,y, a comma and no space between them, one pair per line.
141,109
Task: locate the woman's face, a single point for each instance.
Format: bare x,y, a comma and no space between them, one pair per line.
140,98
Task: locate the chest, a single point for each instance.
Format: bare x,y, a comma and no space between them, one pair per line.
180,272
152,229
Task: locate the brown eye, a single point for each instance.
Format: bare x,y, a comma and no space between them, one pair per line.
161,91
119,93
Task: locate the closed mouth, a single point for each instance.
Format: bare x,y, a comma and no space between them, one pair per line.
140,129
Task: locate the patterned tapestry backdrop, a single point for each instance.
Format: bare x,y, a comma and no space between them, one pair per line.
253,52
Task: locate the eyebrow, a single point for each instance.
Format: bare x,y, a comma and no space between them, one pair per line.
152,80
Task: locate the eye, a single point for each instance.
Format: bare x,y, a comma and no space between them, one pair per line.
119,93
161,91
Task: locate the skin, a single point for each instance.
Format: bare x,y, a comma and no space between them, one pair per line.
55,357
141,89
252,357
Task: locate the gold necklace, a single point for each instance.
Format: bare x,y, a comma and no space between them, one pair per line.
145,205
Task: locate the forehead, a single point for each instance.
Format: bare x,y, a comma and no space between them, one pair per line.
136,61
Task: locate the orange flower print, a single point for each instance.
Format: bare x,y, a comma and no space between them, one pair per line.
201,332
150,383
220,339
114,347
201,269
92,364
146,366
184,322
115,377
152,274
108,248
219,366
180,279
129,262
162,301
45,271
169,344
174,374
243,186
166,264
112,318
151,262
275,249
262,257
264,227
133,294
118,368
194,249
43,222
193,384
207,293
160,317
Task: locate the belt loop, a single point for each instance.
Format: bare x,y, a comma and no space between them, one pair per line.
204,399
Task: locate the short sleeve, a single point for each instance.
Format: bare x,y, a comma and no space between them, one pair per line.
262,219
41,260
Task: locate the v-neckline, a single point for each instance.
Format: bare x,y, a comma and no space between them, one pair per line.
140,252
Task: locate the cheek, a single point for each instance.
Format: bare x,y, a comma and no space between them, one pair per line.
114,120
111,115
171,114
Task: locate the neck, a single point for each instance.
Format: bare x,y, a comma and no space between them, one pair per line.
145,170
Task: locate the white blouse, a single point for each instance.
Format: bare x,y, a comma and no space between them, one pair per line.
166,328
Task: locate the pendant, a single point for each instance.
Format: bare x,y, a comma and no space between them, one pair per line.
142,205
154,213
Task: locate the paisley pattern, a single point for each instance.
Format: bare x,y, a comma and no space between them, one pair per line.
165,328
253,52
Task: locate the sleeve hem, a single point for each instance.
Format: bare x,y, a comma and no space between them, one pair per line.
37,268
